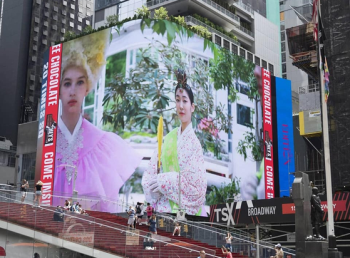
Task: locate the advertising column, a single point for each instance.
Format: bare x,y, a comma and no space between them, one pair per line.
48,120
268,135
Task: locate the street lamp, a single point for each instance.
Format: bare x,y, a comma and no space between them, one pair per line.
75,193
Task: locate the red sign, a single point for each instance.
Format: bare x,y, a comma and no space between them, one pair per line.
268,136
50,123
289,208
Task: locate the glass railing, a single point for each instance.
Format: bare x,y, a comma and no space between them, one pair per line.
95,233
246,31
242,242
244,6
210,29
209,2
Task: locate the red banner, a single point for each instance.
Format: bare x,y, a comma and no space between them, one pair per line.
289,208
268,136
50,123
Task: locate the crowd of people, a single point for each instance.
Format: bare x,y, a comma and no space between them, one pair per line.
68,207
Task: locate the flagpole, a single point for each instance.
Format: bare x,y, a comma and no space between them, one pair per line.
325,132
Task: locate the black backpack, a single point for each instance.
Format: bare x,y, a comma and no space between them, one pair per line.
138,209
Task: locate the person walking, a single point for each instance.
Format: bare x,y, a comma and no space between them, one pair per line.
131,219
153,224
279,251
201,254
228,240
149,210
227,252
37,192
139,212
24,187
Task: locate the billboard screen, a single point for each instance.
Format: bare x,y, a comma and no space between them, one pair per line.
285,142
114,87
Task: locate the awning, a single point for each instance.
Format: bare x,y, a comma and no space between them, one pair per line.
2,251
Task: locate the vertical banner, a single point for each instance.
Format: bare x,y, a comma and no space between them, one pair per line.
268,135
285,143
48,120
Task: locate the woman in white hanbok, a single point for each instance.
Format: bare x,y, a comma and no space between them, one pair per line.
181,154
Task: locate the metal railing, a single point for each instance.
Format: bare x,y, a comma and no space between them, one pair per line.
250,33
309,88
209,2
244,6
193,20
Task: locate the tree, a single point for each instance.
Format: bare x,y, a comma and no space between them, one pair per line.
143,12
69,35
136,99
88,29
161,14
112,20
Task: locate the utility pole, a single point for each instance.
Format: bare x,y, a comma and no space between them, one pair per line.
325,133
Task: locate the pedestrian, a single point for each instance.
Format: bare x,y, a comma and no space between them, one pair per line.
148,242
201,254
177,229
24,187
149,211
37,192
131,219
279,251
139,212
227,252
153,224
228,240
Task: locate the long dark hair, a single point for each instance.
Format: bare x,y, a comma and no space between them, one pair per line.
182,84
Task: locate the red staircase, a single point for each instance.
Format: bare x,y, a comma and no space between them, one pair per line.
123,221
108,232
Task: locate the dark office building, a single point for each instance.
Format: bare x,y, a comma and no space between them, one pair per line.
15,16
336,23
51,19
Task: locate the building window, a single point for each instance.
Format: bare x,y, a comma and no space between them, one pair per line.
284,68
71,15
226,44
283,36
257,60
244,115
264,64
283,47
250,57
283,57
271,69
71,24
234,49
242,52
284,76
72,6
217,40
87,22
79,27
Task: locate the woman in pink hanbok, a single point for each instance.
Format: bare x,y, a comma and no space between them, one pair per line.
103,160
181,154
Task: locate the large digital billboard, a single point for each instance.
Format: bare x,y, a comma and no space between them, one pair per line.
100,135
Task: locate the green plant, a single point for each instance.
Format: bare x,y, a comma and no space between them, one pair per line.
88,29
143,12
202,31
250,142
161,14
112,20
223,194
180,20
69,35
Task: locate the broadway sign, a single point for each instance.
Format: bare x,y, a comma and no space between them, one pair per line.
277,210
